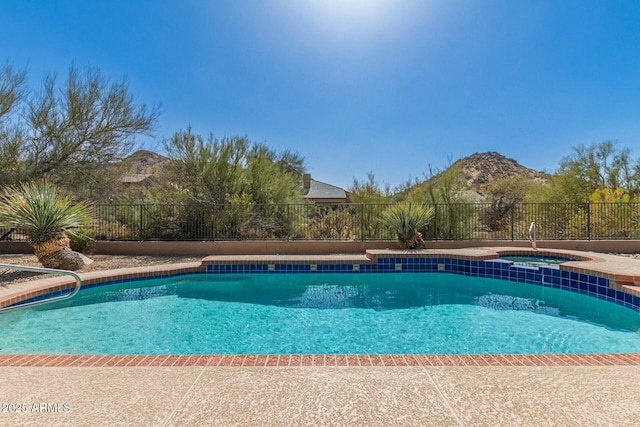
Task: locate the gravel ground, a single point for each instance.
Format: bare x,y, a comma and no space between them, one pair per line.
100,262
634,256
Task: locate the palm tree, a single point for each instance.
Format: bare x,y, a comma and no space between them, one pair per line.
406,219
47,216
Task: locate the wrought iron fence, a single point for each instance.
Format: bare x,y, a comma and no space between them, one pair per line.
477,221
239,222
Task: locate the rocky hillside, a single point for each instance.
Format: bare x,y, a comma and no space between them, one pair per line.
478,171
481,169
143,162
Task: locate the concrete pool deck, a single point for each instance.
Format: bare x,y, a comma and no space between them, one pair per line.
272,390
321,396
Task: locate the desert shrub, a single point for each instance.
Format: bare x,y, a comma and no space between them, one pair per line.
406,220
332,224
81,241
49,217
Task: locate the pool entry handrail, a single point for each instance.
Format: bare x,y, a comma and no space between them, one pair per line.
75,290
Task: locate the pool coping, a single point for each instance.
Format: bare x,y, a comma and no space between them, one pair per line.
324,360
621,275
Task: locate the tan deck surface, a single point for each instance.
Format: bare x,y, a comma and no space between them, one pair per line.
322,396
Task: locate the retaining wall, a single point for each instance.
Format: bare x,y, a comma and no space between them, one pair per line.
266,247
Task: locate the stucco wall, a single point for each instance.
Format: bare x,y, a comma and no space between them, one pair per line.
316,247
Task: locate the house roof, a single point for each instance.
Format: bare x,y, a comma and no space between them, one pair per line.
322,190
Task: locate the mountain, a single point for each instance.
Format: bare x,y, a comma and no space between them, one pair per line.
477,171
143,162
481,169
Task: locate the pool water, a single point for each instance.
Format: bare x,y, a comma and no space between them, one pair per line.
322,313
535,261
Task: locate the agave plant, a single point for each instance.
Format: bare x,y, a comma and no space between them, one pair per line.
406,219
48,217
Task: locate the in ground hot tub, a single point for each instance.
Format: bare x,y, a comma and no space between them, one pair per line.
536,260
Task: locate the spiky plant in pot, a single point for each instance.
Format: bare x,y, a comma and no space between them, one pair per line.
406,219
47,216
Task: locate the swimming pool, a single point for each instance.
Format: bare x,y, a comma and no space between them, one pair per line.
301,313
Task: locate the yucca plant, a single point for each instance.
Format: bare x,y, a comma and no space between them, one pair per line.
406,219
47,216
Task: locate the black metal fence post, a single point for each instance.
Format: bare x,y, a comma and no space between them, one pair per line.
362,237
513,225
289,228
213,215
140,225
588,221
435,220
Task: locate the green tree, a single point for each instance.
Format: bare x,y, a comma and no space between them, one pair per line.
273,177
12,88
504,196
249,183
369,191
12,93
514,190
373,199
68,132
612,213
209,171
446,193
224,170
594,167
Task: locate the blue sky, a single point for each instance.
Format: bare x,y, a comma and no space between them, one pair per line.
389,86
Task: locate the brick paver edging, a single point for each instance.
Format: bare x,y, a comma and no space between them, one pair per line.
336,360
